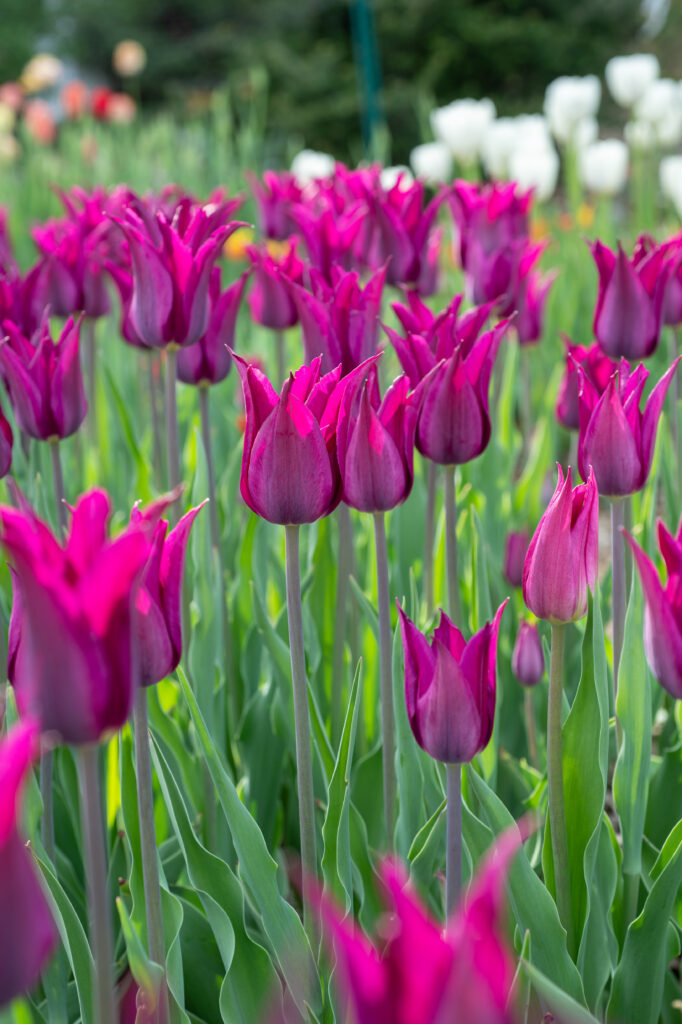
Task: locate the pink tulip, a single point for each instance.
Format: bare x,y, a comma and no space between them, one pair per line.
208,361
6,441
44,380
375,445
275,197
450,687
528,659
529,298
516,546
70,652
400,231
596,366
329,234
616,440
270,300
563,555
29,935
663,609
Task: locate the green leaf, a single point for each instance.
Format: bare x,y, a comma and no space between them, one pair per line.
555,999
147,974
409,774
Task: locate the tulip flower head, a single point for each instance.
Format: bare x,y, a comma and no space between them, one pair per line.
29,935
515,550
401,233
663,609
70,643
563,554
528,659
275,196
616,440
208,361
450,687
270,299
595,365
6,441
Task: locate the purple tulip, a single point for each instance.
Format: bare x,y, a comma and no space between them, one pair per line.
529,300
663,609
528,659
450,687
563,554
44,380
70,651
6,441
340,322
629,310
208,361
275,198
29,936
596,366
375,445
401,233
158,611
616,440
515,550
672,305
270,300
330,234
419,973
453,424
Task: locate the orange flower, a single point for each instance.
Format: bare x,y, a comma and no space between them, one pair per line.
585,216
538,228
122,108
74,99
40,123
236,244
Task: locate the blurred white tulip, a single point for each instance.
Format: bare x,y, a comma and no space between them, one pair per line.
432,162
603,166
569,101
629,77
498,145
462,126
585,133
670,177
536,168
309,165
640,135
661,106
390,176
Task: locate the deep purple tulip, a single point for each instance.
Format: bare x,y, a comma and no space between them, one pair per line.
29,936
340,322
529,298
629,310
275,197
375,445
672,305
663,609
329,235
158,611
420,973
528,659
596,366
616,440
6,441
44,380
450,687
515,550
453,424
208,361
270,299
563,555
70,649
402,235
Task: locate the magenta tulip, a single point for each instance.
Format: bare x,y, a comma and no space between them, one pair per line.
450,687
70,650
663,609
629,310
616,440
596,366
528,659
270,299
563,555
400,231
29,935
329,234
275,197
208,361
6,441
44,380
516,546
529,300
375,445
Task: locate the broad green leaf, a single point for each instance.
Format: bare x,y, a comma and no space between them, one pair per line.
147,974
555,999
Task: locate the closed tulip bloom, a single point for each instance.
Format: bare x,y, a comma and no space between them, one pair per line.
208,361
529,296
663,609
629,77
70,650
375,445
270,300
515,550
595,365
44,380
563,554
528,659
403,234
330,235
616,440
29,936
275,196
629,310
450,687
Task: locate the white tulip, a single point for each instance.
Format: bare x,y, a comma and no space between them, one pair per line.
670,177
629,77
462,126
661,107
585,133
536,168
498,145
533,130
391,176
569,100
309,165
432,162
640,134
603,166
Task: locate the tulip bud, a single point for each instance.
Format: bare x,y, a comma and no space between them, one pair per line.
208,361
515,550
570,100
629,310
528,660
629,77
462,126
595,365
603,167
270,300
563,554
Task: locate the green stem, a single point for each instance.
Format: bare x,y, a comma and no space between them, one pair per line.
525,399
430,534
304,763
453,850
385,675
150,866
92,818
617,596
58,479
555,782
531,734
154,371
172,424
281,361
630,899
454,605
344,559
90,376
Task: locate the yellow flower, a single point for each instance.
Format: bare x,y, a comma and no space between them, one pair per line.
585,216
129,58
235,246
41,72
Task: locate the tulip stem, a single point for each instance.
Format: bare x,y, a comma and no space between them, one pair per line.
429,534
531,735
90,376
454,605
58,479
172,424
453,853
555,782
617,596
92,819
385,675
675,412
525,399
150,866
344,559
154,369
304,762
279,353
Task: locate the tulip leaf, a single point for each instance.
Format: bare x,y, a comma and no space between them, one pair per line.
259,871
142,465
555,999
147,974
633,707
638,981
409,776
